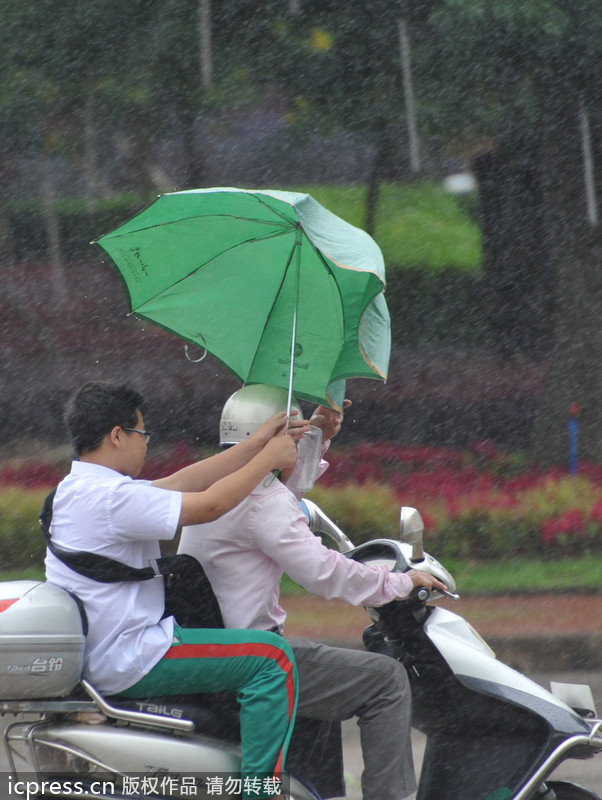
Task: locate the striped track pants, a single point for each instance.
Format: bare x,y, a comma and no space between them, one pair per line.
257,665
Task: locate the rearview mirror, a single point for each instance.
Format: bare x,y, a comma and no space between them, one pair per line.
411,529
319,523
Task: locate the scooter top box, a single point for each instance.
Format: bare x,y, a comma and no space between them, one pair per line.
41,641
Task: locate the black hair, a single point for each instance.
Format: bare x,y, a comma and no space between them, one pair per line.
96,408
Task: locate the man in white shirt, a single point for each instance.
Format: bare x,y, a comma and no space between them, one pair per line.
131,648
245,553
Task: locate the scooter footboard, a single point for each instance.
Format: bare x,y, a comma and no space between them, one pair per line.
474,766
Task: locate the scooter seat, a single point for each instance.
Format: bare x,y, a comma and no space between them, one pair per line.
215,715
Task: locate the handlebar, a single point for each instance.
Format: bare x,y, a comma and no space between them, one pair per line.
422,594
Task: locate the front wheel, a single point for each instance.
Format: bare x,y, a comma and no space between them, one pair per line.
570,791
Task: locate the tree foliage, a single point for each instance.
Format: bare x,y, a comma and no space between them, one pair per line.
516,83
530,73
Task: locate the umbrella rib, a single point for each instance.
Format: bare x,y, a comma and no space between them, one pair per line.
286,227
330,271
314,247
326,264
276,295
275,211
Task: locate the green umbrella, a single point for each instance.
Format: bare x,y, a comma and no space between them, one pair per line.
272,284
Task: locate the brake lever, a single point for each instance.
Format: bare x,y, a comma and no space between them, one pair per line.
450,595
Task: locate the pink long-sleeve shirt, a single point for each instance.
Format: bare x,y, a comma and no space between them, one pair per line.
245,552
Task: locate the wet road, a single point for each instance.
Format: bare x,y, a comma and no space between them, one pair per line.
586,773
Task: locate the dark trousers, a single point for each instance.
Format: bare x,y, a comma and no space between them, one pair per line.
338,683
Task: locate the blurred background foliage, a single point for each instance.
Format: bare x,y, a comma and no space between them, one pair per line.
497,523
373,106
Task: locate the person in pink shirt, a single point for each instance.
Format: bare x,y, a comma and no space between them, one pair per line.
245,553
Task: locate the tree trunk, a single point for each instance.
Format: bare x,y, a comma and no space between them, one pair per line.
7,242
408,95
518,283
52,229
205,54
93,180
575,247
192,149
383,147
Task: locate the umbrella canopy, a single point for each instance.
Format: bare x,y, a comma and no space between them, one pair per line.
272,284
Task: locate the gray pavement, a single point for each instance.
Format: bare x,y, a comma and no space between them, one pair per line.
586,773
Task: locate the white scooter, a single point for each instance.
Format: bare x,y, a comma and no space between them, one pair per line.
492,734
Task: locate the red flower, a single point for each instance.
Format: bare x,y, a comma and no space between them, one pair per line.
571,523
596,513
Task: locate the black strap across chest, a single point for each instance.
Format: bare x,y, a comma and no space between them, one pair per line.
91,565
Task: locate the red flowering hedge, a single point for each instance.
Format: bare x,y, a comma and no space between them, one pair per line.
478,503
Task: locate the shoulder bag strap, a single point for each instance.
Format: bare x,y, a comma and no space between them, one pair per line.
90,565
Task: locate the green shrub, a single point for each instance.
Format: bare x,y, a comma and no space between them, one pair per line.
21,543
476,505
78,224
476,536
363,512
546,517
419,224
436,308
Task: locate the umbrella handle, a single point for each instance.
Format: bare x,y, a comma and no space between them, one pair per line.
194,360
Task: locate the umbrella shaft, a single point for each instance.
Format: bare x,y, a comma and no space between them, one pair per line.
297,256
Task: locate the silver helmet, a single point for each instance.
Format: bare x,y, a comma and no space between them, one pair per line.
248,408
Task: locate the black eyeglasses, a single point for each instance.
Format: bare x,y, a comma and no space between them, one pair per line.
146,434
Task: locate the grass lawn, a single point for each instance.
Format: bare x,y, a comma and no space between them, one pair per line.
524,575
498,577
513,576
418,224
30,574
580,573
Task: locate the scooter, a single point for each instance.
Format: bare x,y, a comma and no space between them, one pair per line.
492,734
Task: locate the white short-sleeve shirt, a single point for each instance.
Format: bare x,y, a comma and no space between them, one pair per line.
101,511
